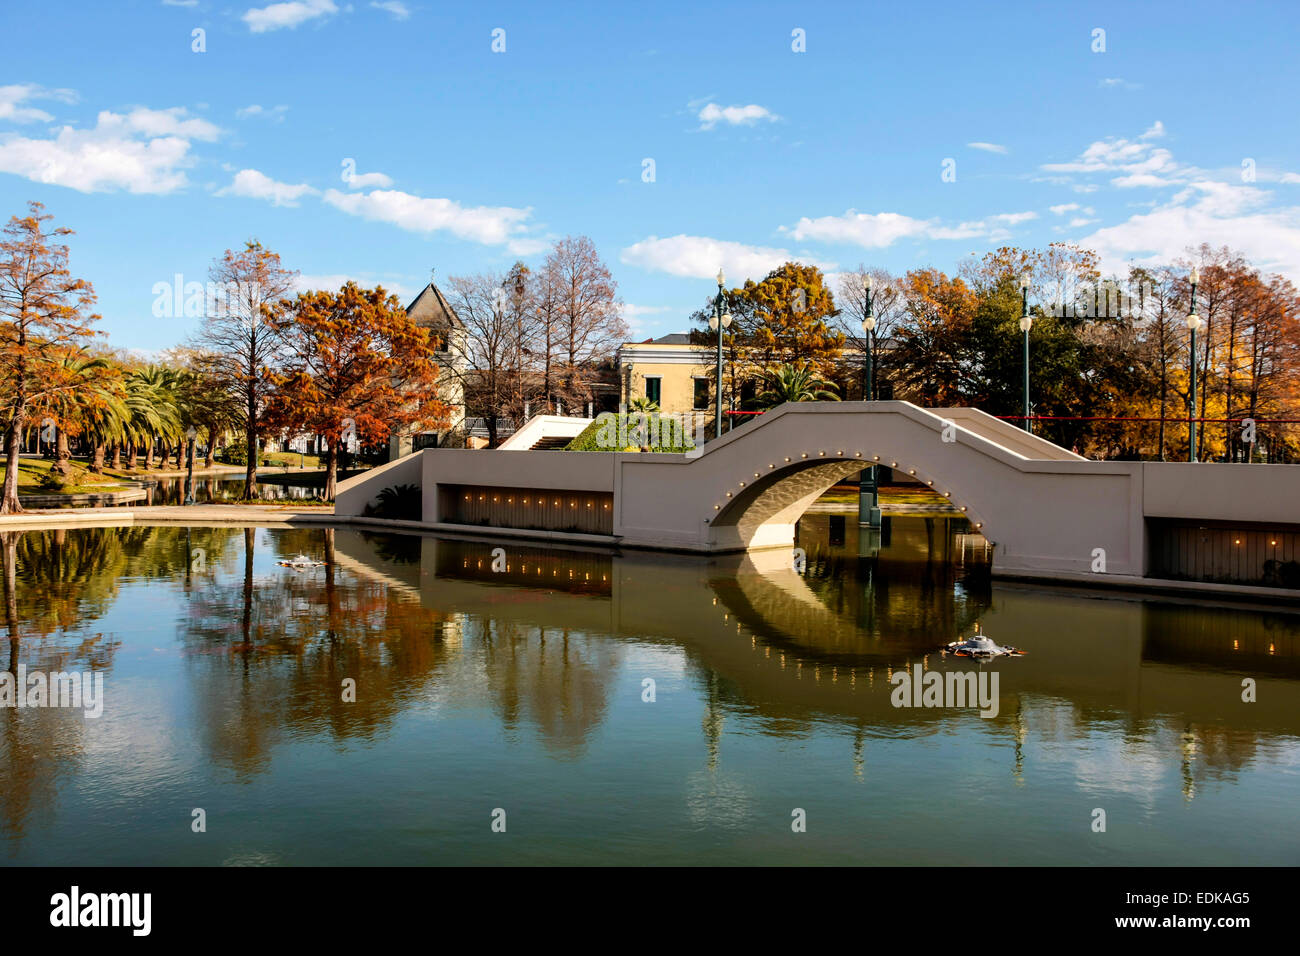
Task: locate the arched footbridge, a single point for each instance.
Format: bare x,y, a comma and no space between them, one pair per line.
1047,511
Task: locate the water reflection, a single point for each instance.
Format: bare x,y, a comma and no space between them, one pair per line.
494,671
211,489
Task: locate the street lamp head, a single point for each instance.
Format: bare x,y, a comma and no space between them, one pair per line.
722,277
1194,322
191,433
1026,323
867,282
1024,282
713,323
869,323
1196,276
726,319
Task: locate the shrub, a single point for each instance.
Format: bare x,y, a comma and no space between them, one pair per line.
236,453
634,431
400,503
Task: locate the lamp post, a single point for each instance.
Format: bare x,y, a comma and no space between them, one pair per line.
1193,323
190,435
868,491
718,321
1026,323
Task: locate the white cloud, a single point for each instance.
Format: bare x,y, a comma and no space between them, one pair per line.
256,111
395,7
252,184
1216,213
143,151
638,311
988,147
490,225
278,16
1063,208
1014,218
12,97
1138,163
711,114
170,122
1118,83
878,230
872,230
366,180
699,257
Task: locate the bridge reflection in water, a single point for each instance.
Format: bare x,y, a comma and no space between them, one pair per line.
765,675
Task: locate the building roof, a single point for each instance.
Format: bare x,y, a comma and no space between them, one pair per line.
432,310
672,338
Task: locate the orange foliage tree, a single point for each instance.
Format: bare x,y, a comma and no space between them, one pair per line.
353,360
43,318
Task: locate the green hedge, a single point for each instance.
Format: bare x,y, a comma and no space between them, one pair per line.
634,431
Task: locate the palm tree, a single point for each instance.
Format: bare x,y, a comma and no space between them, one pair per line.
795,383
643,404
153,412
87,395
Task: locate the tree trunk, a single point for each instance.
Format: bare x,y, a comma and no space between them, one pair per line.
117,456
9,503
250,444
331,470
210,455
133,458
62,455
148,454
97,457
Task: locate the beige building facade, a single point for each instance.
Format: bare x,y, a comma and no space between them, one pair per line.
678,376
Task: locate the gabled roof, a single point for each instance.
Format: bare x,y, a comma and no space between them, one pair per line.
431,309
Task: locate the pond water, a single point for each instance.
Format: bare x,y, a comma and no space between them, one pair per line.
209,489
522,694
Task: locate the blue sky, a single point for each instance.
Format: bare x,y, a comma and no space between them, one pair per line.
161,157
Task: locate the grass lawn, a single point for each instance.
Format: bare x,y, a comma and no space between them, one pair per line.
32,471
290,459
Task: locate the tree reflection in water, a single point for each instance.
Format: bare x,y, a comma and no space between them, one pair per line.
535,657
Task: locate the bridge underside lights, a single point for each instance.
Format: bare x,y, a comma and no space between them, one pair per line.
1047,512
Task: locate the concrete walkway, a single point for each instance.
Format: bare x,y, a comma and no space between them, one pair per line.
269,515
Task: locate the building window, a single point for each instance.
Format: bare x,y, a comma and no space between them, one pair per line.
652,388
701,395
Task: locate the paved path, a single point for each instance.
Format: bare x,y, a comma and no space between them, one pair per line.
267,514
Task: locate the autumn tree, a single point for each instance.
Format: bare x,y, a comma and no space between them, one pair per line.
352,360
43,320
241,338
932,336
784,319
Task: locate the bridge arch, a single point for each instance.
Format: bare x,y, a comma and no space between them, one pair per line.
1037,503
